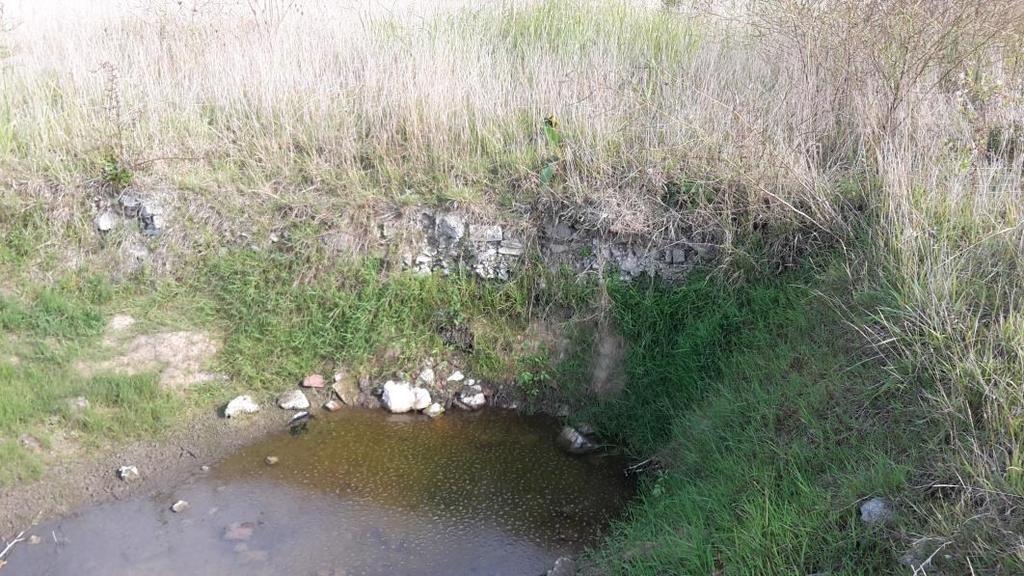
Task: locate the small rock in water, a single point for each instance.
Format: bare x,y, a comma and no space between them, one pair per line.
367,400
332,405
300,419
239,531
241,405
271,460
398,397
564,566
128,473
876,511
313,381
33,539
179,506
204,468
434,410
570,440
252,556
293,400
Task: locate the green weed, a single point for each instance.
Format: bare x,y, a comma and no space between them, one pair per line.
764,417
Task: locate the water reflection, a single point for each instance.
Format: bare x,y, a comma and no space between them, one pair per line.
361,493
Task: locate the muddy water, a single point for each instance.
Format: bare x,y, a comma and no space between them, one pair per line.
359,493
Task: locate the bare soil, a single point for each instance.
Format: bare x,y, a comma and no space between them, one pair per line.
85,478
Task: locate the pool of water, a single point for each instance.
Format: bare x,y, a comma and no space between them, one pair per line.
358,493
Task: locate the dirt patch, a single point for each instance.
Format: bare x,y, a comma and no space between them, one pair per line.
180,357
609,374
77,481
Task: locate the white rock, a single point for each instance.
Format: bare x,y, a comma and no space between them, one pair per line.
573,442
483,233
105,222
398,397
241,405
293,400
128,473
876,511
472,396
457,376
451,227
434,410
564,566
179,506
421,398
511,248
426,377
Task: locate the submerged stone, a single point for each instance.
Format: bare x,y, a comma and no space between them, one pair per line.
239,531
434,410
564,566
570,440
179,506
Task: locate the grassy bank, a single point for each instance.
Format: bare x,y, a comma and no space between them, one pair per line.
771,422
885,135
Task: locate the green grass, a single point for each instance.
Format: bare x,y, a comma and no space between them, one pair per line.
44,333
767,418
279,327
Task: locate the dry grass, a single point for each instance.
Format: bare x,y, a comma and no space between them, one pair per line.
890,131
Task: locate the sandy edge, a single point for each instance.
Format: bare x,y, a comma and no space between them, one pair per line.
91,478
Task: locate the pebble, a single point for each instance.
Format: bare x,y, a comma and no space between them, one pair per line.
179,506
293,400
313,381
105,221
876,511
128,473
241,405
332,405
239,531
271,460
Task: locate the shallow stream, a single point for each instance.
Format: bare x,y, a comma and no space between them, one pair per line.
357,493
